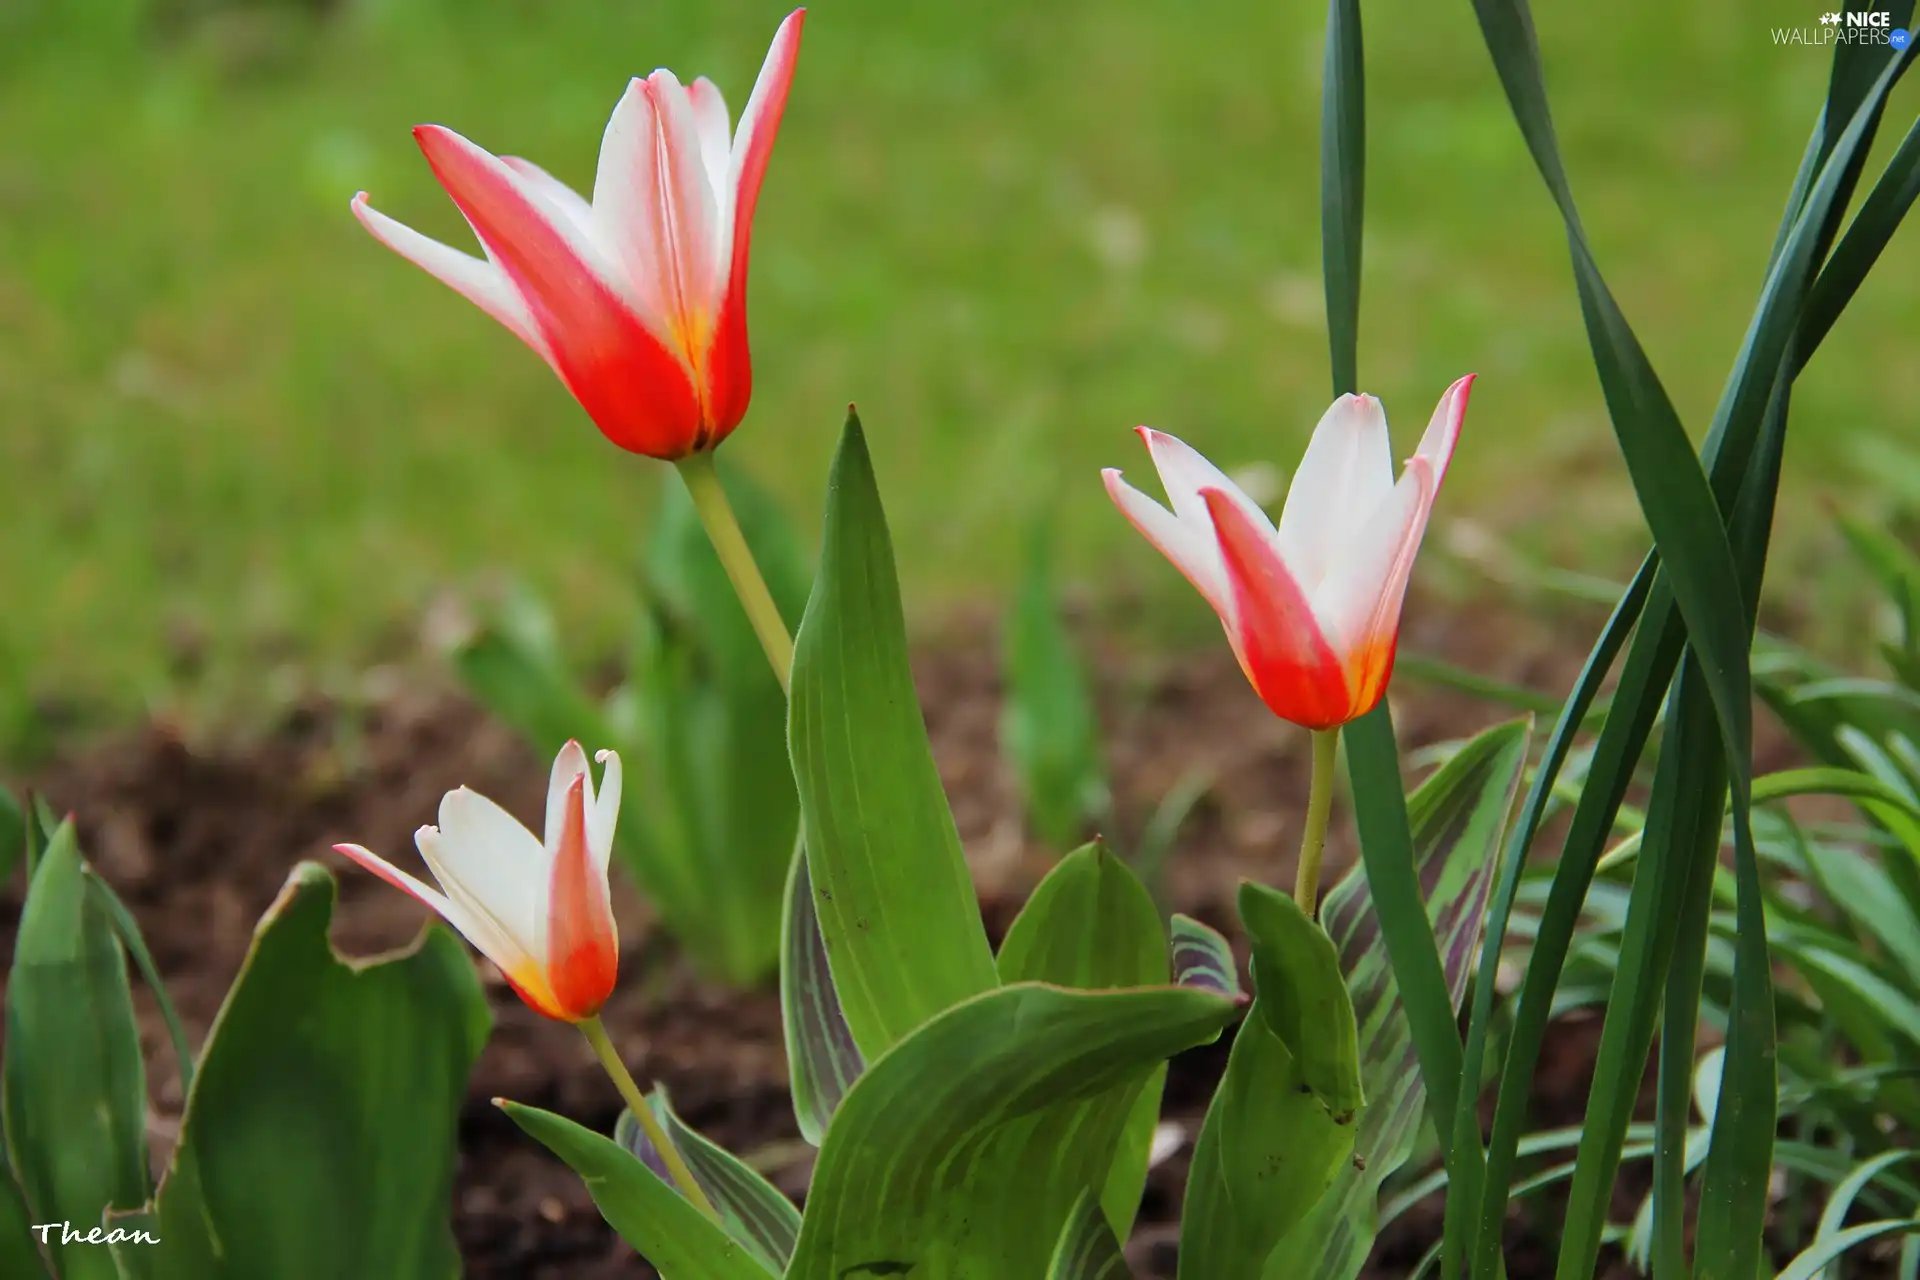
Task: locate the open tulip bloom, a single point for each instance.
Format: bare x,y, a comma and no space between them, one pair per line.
540,910
1311,608
637,298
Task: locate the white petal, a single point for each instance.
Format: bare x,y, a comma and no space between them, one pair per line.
1185,473
569,764
1344,476
1359,599
715,129
460,908
1443,429
604,814
557,193
483,853
656,210
1193,551
476,279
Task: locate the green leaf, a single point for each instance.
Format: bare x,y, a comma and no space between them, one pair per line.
680,1242
716,715
1048,726
894,897
73,1084
1833,1217
127,930
1091,925
13,834
1459,816
1267,1153
1088,1249
19,1254
751,1209
319,1138
1343,186
822,1059
963,1150
1823,1253
1296,976
1202,958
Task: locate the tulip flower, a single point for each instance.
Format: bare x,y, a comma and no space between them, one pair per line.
539,910
638,297
1312,608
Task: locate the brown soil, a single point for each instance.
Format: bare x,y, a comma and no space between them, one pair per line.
199,840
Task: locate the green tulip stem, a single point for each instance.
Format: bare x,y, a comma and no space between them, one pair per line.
716,513
1313,840
683,1178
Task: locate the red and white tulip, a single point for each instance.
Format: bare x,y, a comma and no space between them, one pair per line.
638,297
1312,608
540,910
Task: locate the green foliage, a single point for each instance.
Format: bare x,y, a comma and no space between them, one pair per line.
1092,925
672,1234
1048,726
1304,998
1087,1248
708,815
751,1209
360,1069
964,1149
822,1059
73,1083
894,899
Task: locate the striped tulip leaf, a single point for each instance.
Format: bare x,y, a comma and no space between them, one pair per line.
822,1059
751,1209
1202,958
1088,1248
963,1150
1459,817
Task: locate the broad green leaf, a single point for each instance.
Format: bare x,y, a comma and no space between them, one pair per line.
680,1242
1296,975
73,1083
962,1151
1048,727
19,1253
892,891
320,1136
1088,1249
1459,817
1267,1153
1091,925
1202,958
751,1209
822,1059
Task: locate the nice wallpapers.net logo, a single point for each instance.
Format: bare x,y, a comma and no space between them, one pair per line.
1844,26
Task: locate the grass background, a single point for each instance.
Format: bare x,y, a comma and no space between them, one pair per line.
244,450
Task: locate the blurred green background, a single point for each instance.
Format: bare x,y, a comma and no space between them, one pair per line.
245,451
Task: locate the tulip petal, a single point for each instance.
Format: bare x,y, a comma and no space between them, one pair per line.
656,211
1192,552
557,193
729,370
569,764
477,927
1185,473
1272,627
1344,476
714,126
604,813
481,854
478,280
583,946
635,389
1359,602
1443,429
